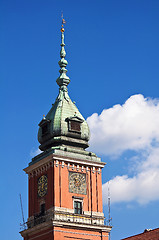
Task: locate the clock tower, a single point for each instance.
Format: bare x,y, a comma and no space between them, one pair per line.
65,183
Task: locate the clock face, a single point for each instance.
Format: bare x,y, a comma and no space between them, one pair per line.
77,183
42,186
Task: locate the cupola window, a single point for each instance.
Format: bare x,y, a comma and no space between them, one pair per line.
45,129
74,124
44,124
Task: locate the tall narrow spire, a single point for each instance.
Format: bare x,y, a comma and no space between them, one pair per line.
63,79
64,126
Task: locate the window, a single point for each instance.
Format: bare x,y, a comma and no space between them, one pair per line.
77,207
75,126
42,209
45,126
45,129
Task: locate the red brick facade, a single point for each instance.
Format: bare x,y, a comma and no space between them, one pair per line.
146,235
59,220
58,188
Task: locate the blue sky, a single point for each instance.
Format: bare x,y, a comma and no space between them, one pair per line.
113,55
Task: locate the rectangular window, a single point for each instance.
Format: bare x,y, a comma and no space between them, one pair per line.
77,207
42,209
75,126
45,129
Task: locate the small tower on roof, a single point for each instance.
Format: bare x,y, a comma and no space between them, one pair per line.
65,184
63,126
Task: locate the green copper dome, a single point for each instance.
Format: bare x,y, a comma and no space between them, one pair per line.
63,125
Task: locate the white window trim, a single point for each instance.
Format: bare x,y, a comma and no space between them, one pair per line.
77,199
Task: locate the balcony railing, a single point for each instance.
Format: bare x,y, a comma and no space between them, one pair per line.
66,217
78,218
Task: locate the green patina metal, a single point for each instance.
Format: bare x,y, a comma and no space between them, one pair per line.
62,112
63,79
69,152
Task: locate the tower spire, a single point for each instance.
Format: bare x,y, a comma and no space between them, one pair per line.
63,80
64,125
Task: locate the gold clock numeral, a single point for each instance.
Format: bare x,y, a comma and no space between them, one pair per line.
77,182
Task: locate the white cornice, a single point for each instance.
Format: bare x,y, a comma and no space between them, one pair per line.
44,226
49,160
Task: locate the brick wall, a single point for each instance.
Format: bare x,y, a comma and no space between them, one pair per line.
146,235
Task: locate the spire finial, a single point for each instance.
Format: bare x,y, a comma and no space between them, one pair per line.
63,22
63,79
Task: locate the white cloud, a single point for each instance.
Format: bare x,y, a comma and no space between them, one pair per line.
35,152
142,188
131,126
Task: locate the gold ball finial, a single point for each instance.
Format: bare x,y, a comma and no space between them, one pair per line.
62,29
63,22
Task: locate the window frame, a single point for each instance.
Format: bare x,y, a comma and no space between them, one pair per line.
71,126
78,200
45,126
74,120
45,129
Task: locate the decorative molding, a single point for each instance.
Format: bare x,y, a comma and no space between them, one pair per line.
31,174
47,161
76,197
46,165
63,164
63,218
52,163
62,209
77,167
82,223
57,163
68,166
81,161
44,226
86,234
41,169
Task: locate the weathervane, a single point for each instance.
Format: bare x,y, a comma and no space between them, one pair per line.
63,22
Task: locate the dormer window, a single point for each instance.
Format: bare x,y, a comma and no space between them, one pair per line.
45,129
44,124
74,124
